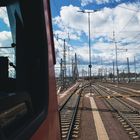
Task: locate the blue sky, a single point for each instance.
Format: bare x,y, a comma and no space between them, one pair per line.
87,4
120,16
3,26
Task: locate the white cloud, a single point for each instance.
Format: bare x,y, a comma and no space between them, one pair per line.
5,39
86,2
126,26
4,16
102,1
70,34
106,1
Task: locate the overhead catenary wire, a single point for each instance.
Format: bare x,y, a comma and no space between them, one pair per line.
137,35
4,10
132,17
124,27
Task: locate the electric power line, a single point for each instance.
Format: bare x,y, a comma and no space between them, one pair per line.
133,16
4,10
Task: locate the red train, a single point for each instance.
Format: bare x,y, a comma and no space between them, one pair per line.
28,103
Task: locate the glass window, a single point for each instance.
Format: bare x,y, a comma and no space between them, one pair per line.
7,48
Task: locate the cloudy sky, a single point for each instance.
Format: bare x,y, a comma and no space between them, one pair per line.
119,16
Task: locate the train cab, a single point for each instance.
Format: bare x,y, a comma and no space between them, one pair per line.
28,99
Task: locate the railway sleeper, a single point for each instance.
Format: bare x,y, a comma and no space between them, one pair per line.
132,115
77,123
134,118
126,126
123,123
65,126
66,120
137,126
64,136
136,123
135,137
132,132
122,120
77,120
117,115
66,115
76,127
131,112
74,136
65,111
65,129
66,123
75,132
119,118
64,132
128,129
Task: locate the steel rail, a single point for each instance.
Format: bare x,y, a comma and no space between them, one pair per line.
126,104
68,137
122,113
73,118
67,100
59,110
129,122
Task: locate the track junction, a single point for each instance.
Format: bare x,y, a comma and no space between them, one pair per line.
100,111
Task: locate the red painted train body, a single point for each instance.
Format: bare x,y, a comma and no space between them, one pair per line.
32,103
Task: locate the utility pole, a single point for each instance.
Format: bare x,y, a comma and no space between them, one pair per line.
105,74
75,69
72,70
61,73
101,70
117,71
77,74
135,69
128,68
64,61
64,66
113,72
90,66
123,75
116,53
82,73
69,60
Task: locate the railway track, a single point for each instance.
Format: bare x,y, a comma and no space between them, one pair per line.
128,116
70,116
121,90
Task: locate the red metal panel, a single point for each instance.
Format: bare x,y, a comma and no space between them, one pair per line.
50,129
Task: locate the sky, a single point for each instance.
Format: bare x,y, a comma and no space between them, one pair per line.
119,16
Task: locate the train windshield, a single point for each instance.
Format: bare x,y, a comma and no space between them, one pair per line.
7,47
